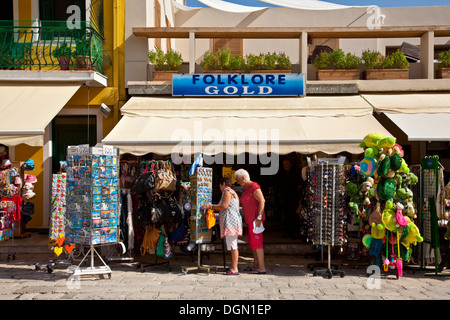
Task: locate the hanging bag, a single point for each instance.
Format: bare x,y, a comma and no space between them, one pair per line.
210,219
145,182
165,179
160,247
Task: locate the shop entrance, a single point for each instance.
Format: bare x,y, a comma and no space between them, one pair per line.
71,131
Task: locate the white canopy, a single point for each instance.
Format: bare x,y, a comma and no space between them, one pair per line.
306,4
230,7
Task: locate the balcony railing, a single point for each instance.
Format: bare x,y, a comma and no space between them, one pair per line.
41,45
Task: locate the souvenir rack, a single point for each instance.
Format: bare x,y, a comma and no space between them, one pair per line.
201,193
328,205
92,202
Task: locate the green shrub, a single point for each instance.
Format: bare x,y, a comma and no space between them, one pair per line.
444,59
209,62
169,61
337,59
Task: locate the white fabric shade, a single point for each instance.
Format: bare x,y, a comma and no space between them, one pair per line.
423,126
306,4
230,7
410,103
27,109
233,126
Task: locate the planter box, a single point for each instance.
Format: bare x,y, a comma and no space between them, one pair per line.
163,75
271,71
443,73
351,74
385,74
223,71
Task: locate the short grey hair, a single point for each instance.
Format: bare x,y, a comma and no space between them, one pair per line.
242,173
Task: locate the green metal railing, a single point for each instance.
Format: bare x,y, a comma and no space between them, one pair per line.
40,45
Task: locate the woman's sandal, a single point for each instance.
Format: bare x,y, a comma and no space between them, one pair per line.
228,272
257,272
248,268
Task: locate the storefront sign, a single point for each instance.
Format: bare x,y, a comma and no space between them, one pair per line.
238,85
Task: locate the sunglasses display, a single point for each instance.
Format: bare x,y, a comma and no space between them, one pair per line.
326,215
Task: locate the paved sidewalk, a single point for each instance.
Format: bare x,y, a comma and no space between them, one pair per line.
287,278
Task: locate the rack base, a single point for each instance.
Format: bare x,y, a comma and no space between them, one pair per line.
329,273
93,271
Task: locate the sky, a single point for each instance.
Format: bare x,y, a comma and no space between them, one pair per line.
380,3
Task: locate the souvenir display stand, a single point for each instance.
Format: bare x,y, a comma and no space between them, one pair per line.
10,189
201,193
327,212
429,202
92,203
57,225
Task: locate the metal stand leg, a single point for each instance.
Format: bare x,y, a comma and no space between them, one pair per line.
92,270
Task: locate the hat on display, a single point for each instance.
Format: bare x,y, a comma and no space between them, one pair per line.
30,178
18,180
29,194
28,165
28,185
6,163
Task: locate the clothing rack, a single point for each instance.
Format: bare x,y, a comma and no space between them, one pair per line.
429,202
328,202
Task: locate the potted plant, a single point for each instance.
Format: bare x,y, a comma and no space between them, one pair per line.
337,65
444,65
379,67
166,64
222,61
82,54
64,54
269,63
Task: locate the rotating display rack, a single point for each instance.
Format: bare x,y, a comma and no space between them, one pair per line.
92,212
201,193
328,203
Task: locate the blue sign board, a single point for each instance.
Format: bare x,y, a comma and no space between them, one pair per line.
238,85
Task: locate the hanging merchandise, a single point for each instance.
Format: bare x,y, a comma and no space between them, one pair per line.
58,209
386,198
432,201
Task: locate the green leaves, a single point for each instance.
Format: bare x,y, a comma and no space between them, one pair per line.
165,61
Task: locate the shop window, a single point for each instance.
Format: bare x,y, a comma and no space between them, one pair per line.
7,12
70,131
56,10
236,46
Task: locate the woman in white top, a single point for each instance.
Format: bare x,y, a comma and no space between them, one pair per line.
230,221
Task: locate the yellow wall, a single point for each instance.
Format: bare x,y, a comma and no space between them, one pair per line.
114,95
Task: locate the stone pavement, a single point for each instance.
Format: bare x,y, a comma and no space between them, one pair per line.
287,278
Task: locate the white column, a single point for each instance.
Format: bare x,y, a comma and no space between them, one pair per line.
191,52
427,54
303,54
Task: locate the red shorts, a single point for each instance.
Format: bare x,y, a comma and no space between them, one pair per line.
255,241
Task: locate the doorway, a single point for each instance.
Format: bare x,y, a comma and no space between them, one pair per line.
71,131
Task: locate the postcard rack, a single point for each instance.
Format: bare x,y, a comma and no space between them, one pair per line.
201,193
92,211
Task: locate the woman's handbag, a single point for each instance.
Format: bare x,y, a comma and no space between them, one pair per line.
149,243
145,182
165,179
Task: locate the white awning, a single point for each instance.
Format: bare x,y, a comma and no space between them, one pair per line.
423,126
314,106
410,103
27,109
230,7
242,125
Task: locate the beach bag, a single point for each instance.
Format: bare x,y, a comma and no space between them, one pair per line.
160,247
